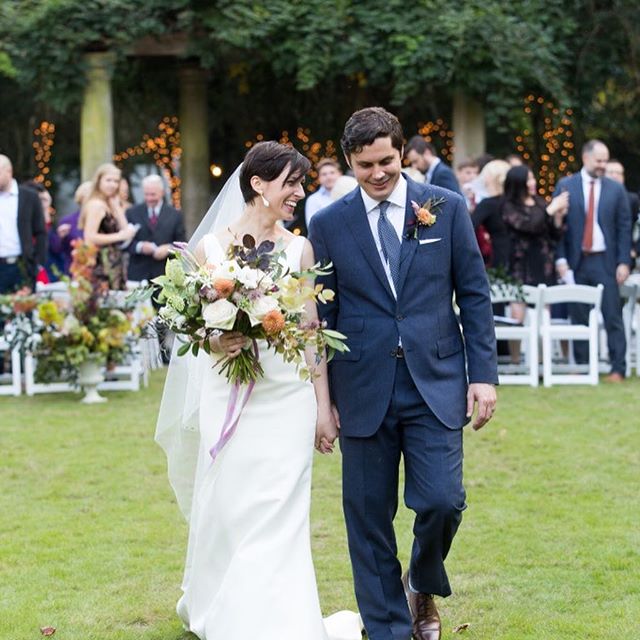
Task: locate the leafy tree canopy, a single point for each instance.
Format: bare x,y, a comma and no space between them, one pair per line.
493,50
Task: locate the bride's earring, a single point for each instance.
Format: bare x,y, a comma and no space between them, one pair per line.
265,202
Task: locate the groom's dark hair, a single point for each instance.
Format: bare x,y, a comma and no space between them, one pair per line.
366,126
267,160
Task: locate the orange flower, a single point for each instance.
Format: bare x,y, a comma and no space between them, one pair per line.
273,322
424,216
224,287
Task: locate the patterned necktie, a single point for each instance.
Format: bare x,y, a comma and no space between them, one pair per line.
390,243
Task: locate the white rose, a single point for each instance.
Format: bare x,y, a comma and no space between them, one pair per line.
249,277
228,269
220,314
259,308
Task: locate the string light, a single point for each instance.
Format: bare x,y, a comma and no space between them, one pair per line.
553,146
166,151
436,133
44,136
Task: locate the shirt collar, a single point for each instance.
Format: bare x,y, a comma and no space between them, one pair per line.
398,196
432,168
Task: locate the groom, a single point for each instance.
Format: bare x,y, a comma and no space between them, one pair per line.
410,380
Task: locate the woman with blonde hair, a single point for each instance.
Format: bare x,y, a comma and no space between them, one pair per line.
488,212
105,226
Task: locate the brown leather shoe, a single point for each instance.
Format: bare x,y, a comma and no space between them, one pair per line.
615,377
424,614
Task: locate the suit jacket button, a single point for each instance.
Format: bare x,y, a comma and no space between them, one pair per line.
399,317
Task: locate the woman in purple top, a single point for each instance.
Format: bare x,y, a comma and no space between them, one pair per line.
67,230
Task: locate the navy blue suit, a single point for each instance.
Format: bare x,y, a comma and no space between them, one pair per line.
614,218
413,406
444,177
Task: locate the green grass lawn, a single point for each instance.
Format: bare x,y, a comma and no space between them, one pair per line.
92,543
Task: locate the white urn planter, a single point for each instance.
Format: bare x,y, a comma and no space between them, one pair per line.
90,375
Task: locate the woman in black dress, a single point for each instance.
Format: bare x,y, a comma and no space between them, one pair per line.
488,212
105,225
534,229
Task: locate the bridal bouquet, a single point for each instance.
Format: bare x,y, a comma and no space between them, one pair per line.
252,292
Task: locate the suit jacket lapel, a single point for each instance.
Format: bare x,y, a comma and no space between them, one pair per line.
417,193
356,218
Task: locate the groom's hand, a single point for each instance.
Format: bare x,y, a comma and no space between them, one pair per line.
484,395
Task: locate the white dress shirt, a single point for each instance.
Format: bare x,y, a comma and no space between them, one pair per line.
395,214
10,245
598,237
315,202
432,168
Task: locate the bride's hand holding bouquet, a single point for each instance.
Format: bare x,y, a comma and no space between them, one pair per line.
252,295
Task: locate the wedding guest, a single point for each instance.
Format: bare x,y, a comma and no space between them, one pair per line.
67,228
534,228
23,235
615,171
597,247
466,173
328,172
488,214
105,225
124,193
423,156
160,225
54,264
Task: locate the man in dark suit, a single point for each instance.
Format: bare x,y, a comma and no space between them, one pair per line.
23,234
423,156
615,171
597,246
409,382
160,225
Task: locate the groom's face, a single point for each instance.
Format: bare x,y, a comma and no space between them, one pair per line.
377,168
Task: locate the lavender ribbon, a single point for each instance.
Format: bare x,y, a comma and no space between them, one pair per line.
234,411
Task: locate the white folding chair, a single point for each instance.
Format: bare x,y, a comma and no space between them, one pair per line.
56,290
10,383
570,294
526,334
32,387
630,293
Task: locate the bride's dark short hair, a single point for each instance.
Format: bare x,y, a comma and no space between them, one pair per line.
364,127
267,160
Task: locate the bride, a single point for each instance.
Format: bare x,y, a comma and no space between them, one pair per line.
249,570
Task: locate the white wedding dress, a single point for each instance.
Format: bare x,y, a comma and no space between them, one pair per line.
249,572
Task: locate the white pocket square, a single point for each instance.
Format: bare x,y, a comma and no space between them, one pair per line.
429,240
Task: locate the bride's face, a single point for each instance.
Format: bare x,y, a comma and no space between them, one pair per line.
283,194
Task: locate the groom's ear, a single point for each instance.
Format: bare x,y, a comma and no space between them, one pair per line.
348,161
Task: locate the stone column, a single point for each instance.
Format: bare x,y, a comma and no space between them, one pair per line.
96,118
468,127
194,136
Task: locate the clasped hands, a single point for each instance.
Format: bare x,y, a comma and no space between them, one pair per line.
152,249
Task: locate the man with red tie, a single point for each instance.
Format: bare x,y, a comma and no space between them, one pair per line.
160,225
597,246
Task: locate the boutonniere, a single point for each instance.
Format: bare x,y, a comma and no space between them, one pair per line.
425,216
